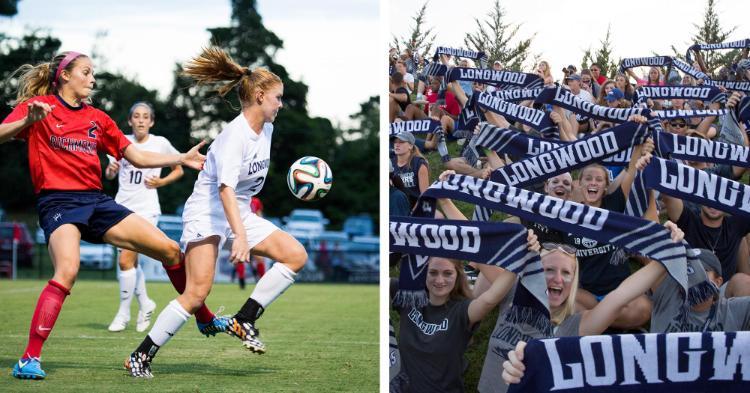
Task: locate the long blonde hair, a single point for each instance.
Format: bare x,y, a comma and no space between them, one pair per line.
215,66
569,307
36,80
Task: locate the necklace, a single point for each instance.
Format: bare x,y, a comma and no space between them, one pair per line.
716,240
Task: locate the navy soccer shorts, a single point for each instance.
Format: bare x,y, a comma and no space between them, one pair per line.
91,211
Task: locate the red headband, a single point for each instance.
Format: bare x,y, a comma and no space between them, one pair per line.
64,63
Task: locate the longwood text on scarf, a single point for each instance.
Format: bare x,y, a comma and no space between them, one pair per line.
696,362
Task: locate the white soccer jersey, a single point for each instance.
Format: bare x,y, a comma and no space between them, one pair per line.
132,192
238,158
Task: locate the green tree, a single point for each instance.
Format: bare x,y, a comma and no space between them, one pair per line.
297,134
602,56
418,40
493,37
8,7
33,47
711,32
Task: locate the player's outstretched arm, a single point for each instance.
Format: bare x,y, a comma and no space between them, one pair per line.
37,111
146,159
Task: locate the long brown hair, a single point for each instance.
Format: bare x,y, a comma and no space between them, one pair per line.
215,66
36,80
461,290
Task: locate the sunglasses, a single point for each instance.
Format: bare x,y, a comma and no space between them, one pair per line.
566,248
679,124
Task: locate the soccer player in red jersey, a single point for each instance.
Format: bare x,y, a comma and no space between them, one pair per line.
64,134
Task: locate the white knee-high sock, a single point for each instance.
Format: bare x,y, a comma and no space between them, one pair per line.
127,288
140,287
170,320
273,284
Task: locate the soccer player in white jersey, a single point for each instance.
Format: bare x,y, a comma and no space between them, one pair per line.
137,192
219,209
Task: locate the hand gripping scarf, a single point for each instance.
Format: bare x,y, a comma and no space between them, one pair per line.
649,363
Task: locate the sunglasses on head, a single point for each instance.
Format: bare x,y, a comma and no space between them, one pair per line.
566,248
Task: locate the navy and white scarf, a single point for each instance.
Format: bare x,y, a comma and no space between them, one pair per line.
689,362
429,126
504,79
520,144
698,149
690,113
567,157
634,234
518,95
688,92
536,119
563,98
652,61
498,244
684,182
470,54
740,44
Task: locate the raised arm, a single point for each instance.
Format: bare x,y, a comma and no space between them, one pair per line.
36,111
482,305
674,205
598,319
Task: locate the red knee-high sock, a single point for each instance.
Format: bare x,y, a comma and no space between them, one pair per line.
178,278
45,314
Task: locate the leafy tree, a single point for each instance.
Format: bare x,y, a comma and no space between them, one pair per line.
493,37
8,7
711,32
602,56
32,48
418,40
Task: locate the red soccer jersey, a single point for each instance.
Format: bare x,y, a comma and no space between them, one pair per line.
63,146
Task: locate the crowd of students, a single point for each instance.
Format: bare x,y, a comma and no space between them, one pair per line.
592,287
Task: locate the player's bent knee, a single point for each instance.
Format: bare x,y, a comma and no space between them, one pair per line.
296,258
170,253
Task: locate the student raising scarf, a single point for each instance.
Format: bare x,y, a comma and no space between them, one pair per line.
634,234
424,126
536,119
498,244
563,98
698,149
673,362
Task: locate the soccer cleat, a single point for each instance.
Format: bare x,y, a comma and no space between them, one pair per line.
144,316
118,324
139,365
216,325
29,368
248,334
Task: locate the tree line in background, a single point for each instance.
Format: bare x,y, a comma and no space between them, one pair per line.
189,114
499,40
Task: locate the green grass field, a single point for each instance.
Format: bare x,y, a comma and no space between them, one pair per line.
320,338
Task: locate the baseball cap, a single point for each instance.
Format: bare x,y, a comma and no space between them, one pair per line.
574,77
709,260
614,95
405,136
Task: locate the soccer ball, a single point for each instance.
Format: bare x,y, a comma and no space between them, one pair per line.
309,178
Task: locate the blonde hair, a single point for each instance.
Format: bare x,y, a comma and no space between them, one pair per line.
569,307
36,80
215,66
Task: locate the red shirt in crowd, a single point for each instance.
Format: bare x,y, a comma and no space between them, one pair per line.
451,103
63,146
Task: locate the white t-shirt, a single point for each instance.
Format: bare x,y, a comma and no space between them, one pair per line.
409,78
584,95
239,158
132,192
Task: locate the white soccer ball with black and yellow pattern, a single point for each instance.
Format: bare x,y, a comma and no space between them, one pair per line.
309,178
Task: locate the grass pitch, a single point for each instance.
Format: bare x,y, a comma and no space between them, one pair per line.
320,338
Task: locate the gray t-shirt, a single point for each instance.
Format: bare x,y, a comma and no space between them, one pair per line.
504,339
432,342
731,314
